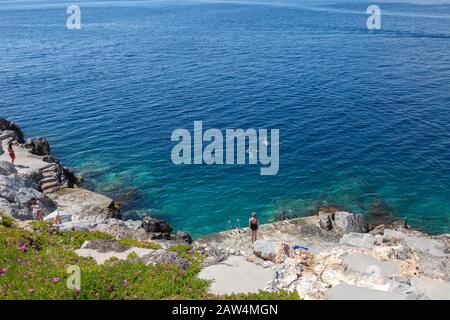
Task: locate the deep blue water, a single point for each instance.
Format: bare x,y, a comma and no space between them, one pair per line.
363,115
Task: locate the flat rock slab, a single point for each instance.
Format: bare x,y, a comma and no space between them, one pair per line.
101,257
25,161
81,202
345,291
423,244
435,289
237,275
364,263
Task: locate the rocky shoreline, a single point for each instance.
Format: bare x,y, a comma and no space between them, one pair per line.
37,174
331,255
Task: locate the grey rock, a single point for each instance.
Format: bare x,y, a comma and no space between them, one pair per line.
433,266
325,221
345,222
402,252
362,240
423,244
163,256
84,204
16,192
272,251
105,246
401,279
6,125
214,254
183,236
153,225
378,230
7,168
40,147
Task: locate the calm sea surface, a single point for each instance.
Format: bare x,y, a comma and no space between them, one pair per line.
364,116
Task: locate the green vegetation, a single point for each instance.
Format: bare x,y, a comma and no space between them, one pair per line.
34,264
6,221
139,244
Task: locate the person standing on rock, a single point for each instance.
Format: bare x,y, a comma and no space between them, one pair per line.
11,152
253,224
37,210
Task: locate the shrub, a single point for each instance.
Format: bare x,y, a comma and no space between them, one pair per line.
6,221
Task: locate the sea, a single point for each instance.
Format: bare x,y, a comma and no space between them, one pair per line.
363,114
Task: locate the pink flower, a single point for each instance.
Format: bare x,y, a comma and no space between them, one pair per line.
22,248
125,283
2,271
19,259
30,290
56,279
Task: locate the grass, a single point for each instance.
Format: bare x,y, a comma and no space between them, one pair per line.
34,265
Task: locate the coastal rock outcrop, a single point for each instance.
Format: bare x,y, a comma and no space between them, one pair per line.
152,225
7,168
165,257
397,263
17,191
8,127
269,250
84,203
39,146
343,222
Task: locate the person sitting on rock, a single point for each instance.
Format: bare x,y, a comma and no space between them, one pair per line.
253,224
11,152
57,221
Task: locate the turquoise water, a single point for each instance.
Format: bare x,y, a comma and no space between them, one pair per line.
363,115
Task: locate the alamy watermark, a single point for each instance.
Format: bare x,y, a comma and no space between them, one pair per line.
374,20
74,19
237,146
74,279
